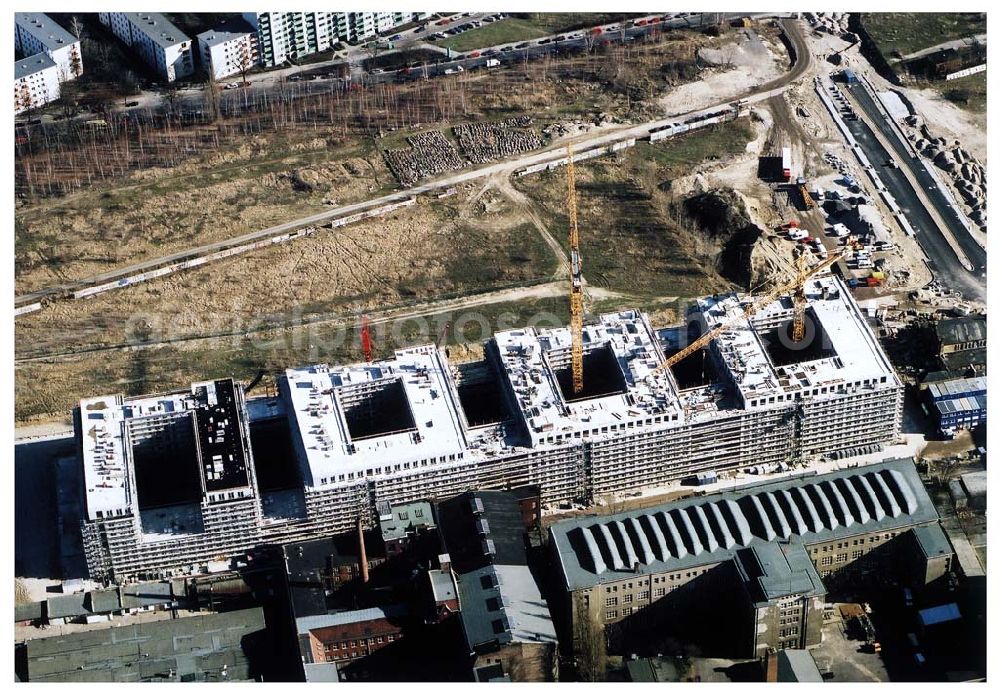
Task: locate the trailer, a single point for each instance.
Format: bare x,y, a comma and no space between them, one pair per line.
786,164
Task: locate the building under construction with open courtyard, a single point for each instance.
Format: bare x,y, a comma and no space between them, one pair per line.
180,480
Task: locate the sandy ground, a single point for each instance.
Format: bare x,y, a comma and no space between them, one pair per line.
950,121
743,63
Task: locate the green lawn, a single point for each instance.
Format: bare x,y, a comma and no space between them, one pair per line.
525,27
678,155
901,33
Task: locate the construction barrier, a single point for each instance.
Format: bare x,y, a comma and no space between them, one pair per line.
233,251
30,308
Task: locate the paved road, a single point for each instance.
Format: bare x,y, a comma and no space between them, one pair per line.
580,143
945,264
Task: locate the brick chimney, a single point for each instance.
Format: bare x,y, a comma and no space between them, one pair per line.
363,563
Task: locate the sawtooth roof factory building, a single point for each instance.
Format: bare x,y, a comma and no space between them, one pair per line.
752,564
174,480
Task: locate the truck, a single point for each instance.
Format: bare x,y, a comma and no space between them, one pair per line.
786,164
492,63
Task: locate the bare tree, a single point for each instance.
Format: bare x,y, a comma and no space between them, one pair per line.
590,647
76,27
212,101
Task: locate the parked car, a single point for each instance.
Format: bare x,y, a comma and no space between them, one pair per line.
397,37
524,44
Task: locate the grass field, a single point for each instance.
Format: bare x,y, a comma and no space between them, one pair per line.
630,241
968,93
526,27
901,33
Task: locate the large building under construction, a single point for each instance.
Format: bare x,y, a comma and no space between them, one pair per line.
174,481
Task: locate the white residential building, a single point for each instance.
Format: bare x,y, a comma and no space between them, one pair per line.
35,33
285,35
163,47
36,82
338,439
228,50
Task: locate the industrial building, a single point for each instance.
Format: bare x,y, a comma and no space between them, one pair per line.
957,404
962,344
36,33
749,566
212,647
505,620
289,35
161,45
336,441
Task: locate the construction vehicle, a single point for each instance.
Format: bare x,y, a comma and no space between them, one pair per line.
807,200
748,312
575,276
786,164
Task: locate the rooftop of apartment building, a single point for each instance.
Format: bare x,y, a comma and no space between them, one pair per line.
838,351
705,530
398,521
162,450
31,65
415,410
158,28
233,29
44,29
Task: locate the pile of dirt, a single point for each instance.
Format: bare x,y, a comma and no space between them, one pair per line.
722,215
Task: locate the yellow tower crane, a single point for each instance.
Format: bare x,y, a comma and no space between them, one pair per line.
575,276
794,285
799,302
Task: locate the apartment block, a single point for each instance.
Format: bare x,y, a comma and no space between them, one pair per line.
36,82
161,45
35,32
337,442
291,35
228,50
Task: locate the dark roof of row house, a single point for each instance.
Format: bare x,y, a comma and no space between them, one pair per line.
705,530
67,606
308,565
482,528
205,647
960,330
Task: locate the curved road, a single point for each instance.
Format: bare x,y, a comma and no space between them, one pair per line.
760,93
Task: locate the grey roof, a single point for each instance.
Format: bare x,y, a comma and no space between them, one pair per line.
705,530
66,606
43,28
146,594
956,387
651,669
28,611
192,648
772,570
442,585
798,665
325,672
398,520
962,329
332,620
975,403
932,540
960,360
502,603
975,483
226,32
32,64
104,600
158,28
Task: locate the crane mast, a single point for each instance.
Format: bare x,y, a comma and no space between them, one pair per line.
575,276
366,339
751,308
799,303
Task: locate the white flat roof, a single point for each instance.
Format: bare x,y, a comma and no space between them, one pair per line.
857,356
526,355
318,393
